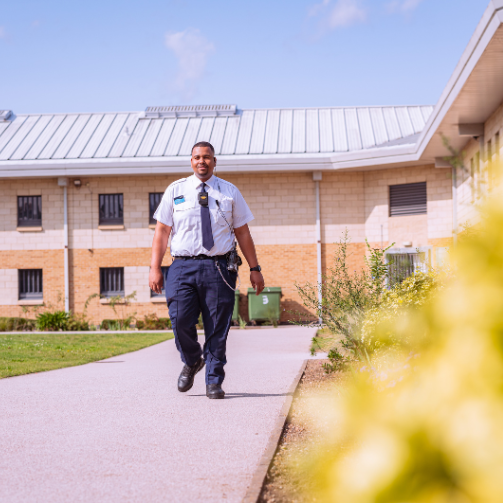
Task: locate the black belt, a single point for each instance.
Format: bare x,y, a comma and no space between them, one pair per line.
202,257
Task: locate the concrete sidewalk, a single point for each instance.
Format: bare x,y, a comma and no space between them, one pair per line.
120,430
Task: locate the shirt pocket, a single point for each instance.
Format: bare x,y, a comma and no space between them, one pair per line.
188,204
223,213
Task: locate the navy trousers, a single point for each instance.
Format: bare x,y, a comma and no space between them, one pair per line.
193,287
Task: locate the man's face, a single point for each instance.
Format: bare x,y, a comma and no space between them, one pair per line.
203,162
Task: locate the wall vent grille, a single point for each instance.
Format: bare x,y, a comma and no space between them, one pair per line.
190,111
407,199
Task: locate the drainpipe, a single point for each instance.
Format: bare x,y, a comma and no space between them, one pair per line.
63,182
317,178
454,206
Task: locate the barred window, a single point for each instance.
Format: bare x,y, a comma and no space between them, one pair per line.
164,271
111,209
30,284
29,211
407,199
154,198
111,281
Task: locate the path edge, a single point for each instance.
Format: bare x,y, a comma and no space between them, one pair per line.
257,482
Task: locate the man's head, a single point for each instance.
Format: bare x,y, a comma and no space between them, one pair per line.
203,160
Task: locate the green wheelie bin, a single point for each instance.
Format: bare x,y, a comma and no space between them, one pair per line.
266,306
235,313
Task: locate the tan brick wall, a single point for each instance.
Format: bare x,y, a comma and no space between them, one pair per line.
51,237
51,263
9,287
283,229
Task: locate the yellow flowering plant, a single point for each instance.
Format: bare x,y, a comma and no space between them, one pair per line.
427,425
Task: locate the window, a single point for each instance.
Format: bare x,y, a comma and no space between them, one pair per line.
401,266
164,271
29,211
30,284
154,198
407,199
112,281
111,209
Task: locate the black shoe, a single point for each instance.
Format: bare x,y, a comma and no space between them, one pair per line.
215,391
186,379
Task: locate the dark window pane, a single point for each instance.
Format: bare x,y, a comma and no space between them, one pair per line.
111,208
154,198
164,271
401,266
30,284
407,199
29,211
112,281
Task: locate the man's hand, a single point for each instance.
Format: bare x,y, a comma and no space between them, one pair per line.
156,280
257,281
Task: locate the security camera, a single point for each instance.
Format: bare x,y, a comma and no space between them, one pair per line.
77,183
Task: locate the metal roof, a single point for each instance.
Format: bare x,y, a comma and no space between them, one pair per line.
267,132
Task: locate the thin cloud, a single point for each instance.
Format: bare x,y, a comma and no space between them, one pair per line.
347,13
3,33
403,5
192,50
339,14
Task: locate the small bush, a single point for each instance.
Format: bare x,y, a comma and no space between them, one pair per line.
112,325
152,322
12,324
56,321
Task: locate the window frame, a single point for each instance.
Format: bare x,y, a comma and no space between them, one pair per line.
37,291
151,199
106,292
103,200
30,221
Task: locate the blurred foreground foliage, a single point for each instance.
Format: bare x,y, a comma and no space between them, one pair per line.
422,421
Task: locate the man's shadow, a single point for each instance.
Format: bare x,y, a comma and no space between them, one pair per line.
251,395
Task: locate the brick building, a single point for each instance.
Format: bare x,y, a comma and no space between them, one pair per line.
78,190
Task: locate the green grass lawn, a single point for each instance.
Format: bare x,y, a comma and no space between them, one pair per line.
27,352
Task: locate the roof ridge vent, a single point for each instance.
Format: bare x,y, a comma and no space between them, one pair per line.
190,111
5,115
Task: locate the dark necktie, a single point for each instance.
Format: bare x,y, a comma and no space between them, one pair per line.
206,224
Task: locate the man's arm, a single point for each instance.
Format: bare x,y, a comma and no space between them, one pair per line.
159,245
248,248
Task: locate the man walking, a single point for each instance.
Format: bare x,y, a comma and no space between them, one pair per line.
203,214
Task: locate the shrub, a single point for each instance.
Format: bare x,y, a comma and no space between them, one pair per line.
109,324
12,324
54,321
346,298
427,426
152,322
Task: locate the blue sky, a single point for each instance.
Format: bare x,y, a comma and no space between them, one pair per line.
91,56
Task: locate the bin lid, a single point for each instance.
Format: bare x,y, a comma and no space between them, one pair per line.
267,289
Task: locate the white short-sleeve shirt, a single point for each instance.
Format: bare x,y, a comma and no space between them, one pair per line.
180,210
